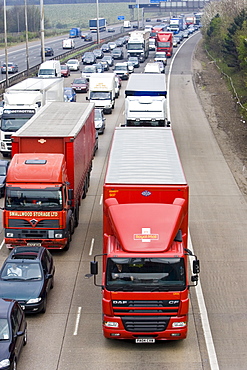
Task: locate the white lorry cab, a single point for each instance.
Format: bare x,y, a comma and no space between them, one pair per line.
102,91
50,68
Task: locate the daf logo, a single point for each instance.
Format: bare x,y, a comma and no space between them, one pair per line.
33,221
146,193
173,302
120,302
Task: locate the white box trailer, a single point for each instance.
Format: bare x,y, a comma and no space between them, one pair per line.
146,111
22,101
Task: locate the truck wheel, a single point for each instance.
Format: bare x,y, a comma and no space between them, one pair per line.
77,215
66,248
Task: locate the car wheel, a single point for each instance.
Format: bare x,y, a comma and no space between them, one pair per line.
25,337
44,305
52,283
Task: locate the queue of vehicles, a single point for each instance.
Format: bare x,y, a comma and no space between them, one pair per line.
156,264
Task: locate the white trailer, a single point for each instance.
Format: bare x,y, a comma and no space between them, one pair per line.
138,44
146,111
22,101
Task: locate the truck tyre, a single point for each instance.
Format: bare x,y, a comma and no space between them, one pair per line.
66,248
77,215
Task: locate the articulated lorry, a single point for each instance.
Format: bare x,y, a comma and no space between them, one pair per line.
176,25
164,43
146,273
102,91
138,44
146,84
97,23
48,175
74,32
22,101
142,111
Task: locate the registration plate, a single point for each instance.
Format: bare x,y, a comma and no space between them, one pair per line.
145,340
33,244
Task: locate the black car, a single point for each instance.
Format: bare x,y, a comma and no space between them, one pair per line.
88,58
49,52
105,48
13,333
105,65
27,275
117,53
4,165
88,37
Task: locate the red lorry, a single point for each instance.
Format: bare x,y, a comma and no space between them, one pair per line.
164,42
49,175
145,283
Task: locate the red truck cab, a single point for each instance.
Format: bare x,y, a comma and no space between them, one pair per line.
165,42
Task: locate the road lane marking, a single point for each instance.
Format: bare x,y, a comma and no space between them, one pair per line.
78,316
2,244
213,361
91,247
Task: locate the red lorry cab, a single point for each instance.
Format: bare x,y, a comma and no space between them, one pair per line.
165,42
49,173
145,231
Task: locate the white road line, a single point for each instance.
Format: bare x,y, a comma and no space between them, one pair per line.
2,244
204,319
91,247
200,298
78,316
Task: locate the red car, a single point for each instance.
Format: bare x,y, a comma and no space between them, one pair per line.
65,71
80,84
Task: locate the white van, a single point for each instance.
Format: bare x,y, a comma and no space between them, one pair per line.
152,68
68,44
50,68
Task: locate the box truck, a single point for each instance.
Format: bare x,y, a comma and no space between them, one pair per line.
22,101
138,44
102,91
49,175
146,274
97,23
143,111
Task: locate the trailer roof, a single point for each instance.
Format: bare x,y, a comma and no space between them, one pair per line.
34,84
145,82
57,119
144,156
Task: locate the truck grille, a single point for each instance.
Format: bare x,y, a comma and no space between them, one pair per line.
46,224
165,307
147,324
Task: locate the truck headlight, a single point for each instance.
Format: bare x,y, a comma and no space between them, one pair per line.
9,235
3,146
58,236
180,324
111,324
33,300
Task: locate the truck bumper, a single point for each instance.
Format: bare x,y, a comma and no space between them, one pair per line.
48,243
120,331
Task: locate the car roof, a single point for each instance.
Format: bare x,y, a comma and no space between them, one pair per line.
5,306
27,253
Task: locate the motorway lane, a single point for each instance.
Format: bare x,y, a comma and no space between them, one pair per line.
17,54
54,340
217,217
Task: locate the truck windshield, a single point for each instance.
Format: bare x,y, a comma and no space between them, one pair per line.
134,46
145,274
161,44
47,72
33,199
13,124
100,95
